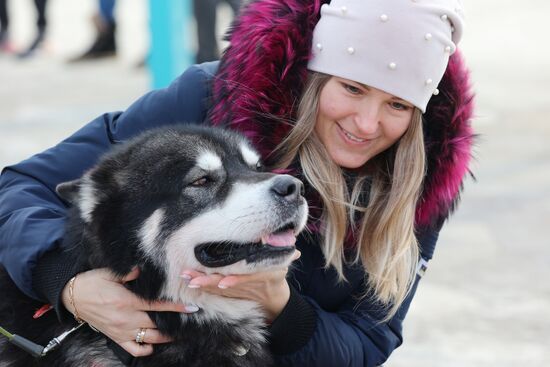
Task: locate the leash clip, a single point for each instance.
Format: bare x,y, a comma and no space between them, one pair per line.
55,342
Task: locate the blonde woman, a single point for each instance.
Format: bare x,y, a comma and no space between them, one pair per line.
367,102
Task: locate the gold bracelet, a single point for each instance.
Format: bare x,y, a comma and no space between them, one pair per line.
71,300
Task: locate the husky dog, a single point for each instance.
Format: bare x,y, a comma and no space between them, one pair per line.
172,199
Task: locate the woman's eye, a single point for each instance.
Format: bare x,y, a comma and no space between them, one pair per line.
352,89
399,106
200,182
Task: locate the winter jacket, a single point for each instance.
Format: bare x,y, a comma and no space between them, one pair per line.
261,74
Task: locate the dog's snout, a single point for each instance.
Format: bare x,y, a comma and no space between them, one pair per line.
288,187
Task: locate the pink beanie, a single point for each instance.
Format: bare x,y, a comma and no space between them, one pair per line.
399,46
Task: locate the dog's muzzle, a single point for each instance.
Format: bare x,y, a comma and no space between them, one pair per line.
286,192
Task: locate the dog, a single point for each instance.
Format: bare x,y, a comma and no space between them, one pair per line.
190,197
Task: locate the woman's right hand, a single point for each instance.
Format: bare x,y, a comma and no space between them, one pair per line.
104,303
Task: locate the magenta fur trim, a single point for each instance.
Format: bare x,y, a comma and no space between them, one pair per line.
262,73
448,139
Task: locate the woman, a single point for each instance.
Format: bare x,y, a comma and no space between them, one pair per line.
382,166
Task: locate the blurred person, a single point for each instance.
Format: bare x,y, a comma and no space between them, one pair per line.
4,26
365,101
41,24
104,44
205,15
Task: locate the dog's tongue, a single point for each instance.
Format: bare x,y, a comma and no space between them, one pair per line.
281,239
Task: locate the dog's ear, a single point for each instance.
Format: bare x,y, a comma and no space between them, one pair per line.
68,191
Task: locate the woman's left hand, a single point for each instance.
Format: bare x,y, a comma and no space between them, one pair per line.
270,289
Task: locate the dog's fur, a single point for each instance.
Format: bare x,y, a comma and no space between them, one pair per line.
169,200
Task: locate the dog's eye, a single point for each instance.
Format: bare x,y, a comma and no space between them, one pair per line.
259,166
201,181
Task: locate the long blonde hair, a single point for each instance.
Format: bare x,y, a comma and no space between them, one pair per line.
386,243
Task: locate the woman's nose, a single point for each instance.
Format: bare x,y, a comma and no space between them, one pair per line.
367,118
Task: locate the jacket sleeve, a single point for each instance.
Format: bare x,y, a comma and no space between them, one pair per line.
306,335
32,216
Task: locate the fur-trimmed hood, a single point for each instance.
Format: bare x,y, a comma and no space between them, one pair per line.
263,71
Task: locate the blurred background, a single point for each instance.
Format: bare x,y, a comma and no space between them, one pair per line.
485,300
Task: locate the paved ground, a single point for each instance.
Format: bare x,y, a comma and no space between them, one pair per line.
486,298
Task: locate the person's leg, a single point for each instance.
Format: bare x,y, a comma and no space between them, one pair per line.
105,42
4,19
41,15
41,24
205,16
4,27
107,10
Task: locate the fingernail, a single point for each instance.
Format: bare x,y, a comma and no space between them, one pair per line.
186,277
191,308
222,286
194,286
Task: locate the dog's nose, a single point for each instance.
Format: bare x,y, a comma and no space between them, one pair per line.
288,187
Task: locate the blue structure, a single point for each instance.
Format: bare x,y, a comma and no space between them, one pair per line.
170,50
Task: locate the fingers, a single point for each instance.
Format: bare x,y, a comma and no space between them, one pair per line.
130,300
153,336
146,337
196,279
200,280
209,283
132,275
205,281
234,280
136,349
143,320
164,306
217,283
189,275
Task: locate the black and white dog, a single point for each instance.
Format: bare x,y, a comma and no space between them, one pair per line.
172,199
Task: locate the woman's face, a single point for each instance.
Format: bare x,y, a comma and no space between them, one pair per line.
356,122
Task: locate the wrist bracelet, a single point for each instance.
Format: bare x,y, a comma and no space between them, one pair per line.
71,300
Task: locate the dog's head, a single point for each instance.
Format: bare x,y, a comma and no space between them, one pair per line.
188,198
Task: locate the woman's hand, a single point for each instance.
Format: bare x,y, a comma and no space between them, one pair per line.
104,303
270,289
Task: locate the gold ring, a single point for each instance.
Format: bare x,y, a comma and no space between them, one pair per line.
140,337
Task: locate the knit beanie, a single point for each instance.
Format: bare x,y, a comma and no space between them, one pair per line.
401,47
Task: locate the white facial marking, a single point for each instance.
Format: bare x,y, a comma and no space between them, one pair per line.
149,234
87,199
250,156
209,161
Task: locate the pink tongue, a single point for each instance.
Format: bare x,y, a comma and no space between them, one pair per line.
280,239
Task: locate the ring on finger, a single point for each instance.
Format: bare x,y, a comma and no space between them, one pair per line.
140,336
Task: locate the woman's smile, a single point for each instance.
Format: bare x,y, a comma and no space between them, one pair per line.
349,137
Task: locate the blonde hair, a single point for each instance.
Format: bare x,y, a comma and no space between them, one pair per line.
386,243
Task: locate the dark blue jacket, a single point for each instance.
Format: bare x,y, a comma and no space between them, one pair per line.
323,324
